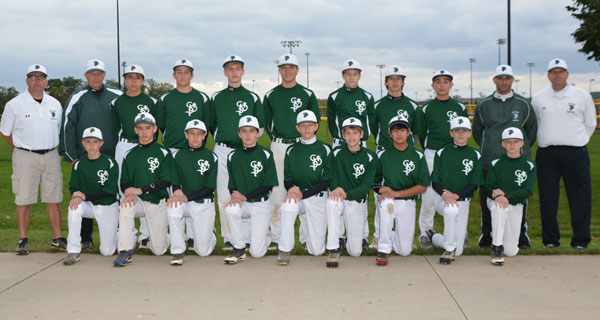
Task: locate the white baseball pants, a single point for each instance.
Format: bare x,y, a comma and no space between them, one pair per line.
156,215
107,218
506,226
202,218
427,212
315,215
260,218
354,214
455,225
401,212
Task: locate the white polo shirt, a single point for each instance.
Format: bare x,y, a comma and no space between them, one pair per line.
33,125
565,118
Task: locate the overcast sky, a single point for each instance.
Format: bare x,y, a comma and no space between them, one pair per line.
420,36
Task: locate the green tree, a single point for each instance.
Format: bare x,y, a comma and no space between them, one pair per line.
588,33
5,95
156,89
112,83
61,89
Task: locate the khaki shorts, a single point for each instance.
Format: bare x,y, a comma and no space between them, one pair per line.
31,171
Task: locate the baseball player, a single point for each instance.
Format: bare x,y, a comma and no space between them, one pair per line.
307,176
227,107
510,181
93,187
194,180
402,175
350,101
145,177
352,175
433,131
282,104
252,177
456,175
388,107
175,109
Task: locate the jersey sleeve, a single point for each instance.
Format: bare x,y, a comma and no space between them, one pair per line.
436,174
423,177
287,173
125,172
231,184
335,179
68,131
111,186
74,184
161,113
115,117
205,111
326,174
477,174
175,181
491,181
530,126
165,173
370,115
420,126
259,111
212,116
270,177
331,115
478,125
268,115
313,105
211,181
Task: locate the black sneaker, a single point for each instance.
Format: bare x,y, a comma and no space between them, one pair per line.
550,246
123,258
303,244
87,245
236,256
447,257
60,243
23,247
382,259
485,241
143,244
283,258
333,261
273,246
365,245
190,244
426,241
72,258
497,255
227,246
177,259
342,245
579,248
524,246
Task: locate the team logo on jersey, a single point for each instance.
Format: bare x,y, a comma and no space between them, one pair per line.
359,169
409,166
103,175
468,166
361,106
191,108
154,163
143,108
451,115
203,166
521,176
296,104
571,107
242,107
257,167
52,114
403,114
515,116
316,161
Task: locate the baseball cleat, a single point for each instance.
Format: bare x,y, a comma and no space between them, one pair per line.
143,244
497,255
303,244
579,248
373,244
550,246
60,243
283,258
227,246
236,256
23,247
342,245
447,257
273,246
190,244
466,244
425,241
71,258
333,259
87,245
382,259
524,246
365,245
123,258
177,259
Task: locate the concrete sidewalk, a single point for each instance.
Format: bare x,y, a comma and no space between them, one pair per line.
39,286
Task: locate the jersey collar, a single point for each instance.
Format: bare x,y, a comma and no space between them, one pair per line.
146,145
309,141
503,97
350,90
392,98
230,88
249,149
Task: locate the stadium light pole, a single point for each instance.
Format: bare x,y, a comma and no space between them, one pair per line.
307,54
591,85
471,61
517,85
500,42
291,44
530,65
380,66
124,65
118,49
253,81
276,64
508,35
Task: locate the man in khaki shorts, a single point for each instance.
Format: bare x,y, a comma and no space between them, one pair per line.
30,125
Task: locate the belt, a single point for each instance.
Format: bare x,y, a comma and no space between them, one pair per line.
286,140
129,140
222,144
261,199
37,151
204,201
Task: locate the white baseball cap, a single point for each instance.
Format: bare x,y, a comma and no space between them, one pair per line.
394,70
134,68
306,116
144,118
503,70
288,59
92,132
399,120
557,63
94,65
442,72
183,62
36,68
512,133
249,121
351,64
460,123
352,122
195,124
233,58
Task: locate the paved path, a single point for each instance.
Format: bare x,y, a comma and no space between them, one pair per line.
38,286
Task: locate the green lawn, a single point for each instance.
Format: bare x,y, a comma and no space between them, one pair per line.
40,235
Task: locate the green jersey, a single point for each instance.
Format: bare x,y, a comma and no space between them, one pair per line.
144,165
175,109
282,105
434,123
227,107
307,164
124,110
194,170
346,102
251,168
401,170
455,168
515,177
96,178
354,172
387,108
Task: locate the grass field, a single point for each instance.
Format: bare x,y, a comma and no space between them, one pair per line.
40,234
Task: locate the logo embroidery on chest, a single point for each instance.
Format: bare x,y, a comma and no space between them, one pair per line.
257,167
468,166
403,114
515,116
361,106
316,161
203,166
191,108
103,175
409,166
521,176
52,114
143,108
571,107
359,169
296,104
242,107
451,115
154,163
